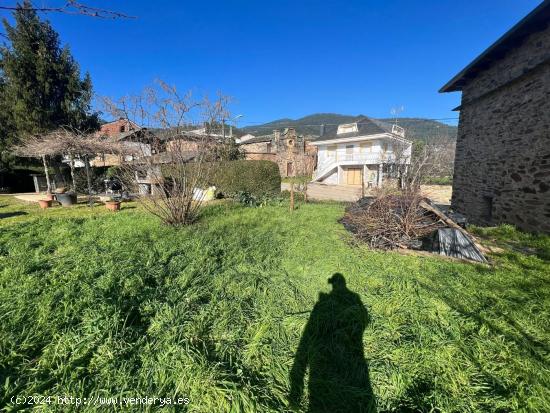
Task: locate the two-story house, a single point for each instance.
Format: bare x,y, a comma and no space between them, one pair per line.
360,153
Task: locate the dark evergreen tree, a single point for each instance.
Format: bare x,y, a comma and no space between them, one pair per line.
7,127
42,83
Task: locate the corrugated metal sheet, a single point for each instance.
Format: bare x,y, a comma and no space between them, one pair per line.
454,243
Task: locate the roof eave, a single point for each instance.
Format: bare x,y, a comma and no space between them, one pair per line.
457,82
359,138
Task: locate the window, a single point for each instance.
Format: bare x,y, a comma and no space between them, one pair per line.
385,147
331,151
289,169
349,149
122,128
268,147
366,147
347,128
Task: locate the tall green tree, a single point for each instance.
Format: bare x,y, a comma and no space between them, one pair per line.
42,84
7,127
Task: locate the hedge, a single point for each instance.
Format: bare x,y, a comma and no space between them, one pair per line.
258,178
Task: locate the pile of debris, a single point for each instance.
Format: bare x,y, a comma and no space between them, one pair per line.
410,221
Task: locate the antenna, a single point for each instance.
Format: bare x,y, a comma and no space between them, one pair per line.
395,111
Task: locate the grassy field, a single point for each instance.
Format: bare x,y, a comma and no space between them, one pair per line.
97,304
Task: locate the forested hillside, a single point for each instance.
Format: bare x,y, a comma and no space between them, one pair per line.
416,128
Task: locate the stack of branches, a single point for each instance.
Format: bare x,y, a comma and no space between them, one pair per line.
391,221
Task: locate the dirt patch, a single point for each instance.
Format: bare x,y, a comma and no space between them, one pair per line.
439,194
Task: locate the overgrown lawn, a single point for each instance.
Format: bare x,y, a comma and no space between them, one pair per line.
94,303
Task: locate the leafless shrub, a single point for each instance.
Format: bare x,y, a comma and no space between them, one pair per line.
307,167
171,164
434,158
390,220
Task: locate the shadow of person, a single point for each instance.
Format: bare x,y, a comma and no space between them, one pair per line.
332,348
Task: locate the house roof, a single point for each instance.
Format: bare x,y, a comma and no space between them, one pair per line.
365,126
257,139
535,21
186,133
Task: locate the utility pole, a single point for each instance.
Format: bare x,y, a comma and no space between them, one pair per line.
231,125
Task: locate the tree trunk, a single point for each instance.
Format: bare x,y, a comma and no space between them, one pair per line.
363,182
291,195
89,179
305,193
48,184
71,165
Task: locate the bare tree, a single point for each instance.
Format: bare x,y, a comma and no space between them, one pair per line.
434,158
307,166
170,175
69,7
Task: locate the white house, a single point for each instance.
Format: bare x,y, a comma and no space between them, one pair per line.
363,150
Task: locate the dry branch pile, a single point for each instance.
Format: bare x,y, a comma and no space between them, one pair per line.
391,221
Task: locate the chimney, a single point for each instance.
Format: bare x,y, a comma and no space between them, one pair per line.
322,130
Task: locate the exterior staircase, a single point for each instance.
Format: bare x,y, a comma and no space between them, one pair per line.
328,169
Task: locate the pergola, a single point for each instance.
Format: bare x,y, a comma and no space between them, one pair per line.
72,144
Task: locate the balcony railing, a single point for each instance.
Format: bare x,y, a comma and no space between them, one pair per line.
360,157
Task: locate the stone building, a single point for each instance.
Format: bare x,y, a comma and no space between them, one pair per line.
502,164
292,152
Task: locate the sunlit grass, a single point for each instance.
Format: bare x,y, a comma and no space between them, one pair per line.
112,304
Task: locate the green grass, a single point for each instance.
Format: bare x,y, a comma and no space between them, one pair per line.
439,180
94,303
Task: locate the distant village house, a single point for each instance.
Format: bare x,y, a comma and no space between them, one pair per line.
360,153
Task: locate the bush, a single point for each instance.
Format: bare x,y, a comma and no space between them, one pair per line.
439,180
259,179
249,200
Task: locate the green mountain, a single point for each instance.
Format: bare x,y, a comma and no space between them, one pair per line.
415,128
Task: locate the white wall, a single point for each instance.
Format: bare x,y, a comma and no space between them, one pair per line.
369,155
332,178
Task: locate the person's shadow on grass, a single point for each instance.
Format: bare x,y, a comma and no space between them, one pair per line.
332,348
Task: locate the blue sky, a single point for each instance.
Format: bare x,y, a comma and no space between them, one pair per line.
282,59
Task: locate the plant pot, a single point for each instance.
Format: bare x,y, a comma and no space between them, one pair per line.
113,205
45,203
49,197
67,199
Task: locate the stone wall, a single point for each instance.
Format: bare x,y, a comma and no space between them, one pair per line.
255,147
258,156
292,153
502,166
